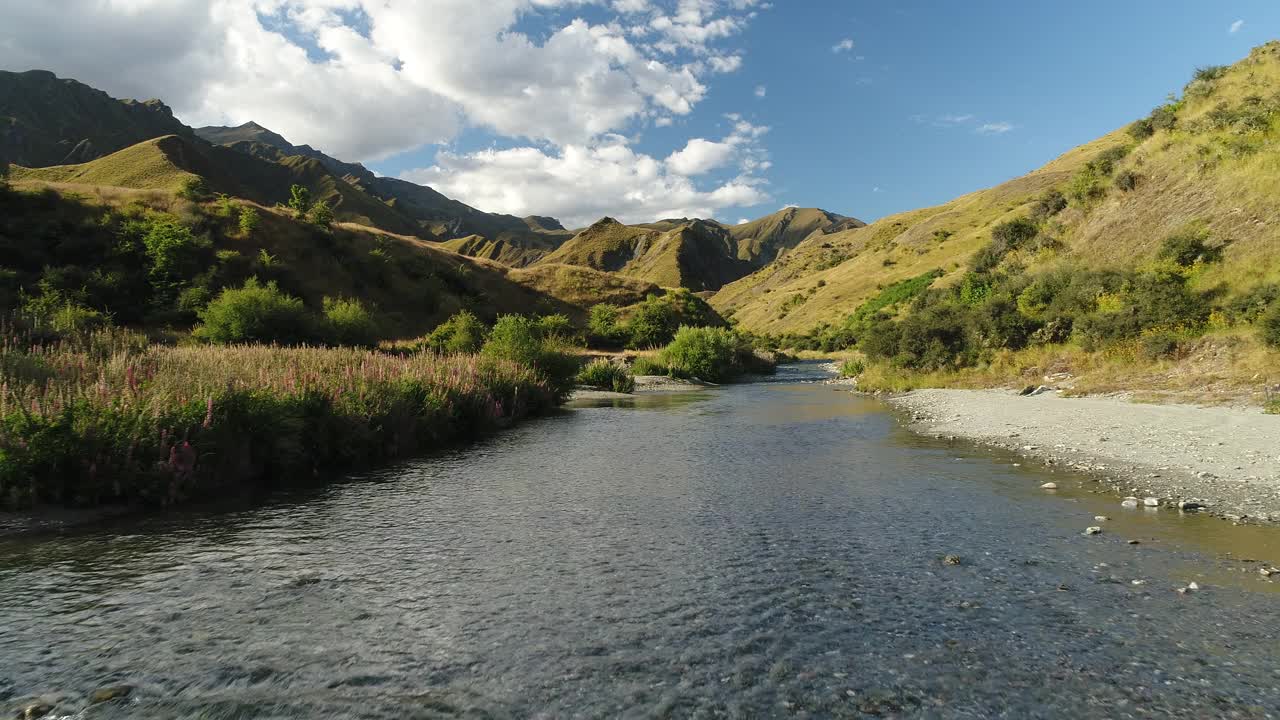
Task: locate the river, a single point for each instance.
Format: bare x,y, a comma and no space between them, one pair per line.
762,550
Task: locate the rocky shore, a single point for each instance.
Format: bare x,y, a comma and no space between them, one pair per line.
1224,461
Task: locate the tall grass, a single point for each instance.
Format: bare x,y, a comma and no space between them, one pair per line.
106,419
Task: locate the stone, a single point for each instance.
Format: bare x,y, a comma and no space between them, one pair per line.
1129,503
1189,506
1269,571
1049,486
1151,502
952,560
1094,530
107,694
1135,542
1193,586
33,710
1100,518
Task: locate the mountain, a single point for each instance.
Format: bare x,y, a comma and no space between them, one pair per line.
45,120
1202,166
519,240
701,255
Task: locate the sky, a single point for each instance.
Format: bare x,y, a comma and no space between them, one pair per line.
646,109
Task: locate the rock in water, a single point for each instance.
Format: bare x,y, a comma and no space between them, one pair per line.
37,709
1151,502
1129,503
1189,506
951,560
1094,530
1049,486
107,694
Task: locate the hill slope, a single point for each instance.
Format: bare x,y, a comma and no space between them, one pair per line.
1209,163
45,120
699,255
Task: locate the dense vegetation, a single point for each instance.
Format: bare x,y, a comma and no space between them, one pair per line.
107,417
650,324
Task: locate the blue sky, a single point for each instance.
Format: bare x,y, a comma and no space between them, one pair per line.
895,123
654,108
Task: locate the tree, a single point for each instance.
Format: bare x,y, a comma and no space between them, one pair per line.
194,189
321,215
299,201
349,322
249,221
254,313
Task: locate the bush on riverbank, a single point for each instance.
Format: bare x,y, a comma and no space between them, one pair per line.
605,375
103,420
712,354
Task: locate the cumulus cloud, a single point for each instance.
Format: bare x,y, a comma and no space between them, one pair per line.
1235,27
844,45
364,79
761,91
581,184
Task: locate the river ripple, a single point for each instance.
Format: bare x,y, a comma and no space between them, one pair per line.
766,550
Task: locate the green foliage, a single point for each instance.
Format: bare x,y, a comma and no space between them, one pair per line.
225,207
461,334
1158,345
348,322
1269,326
255,313
1164,117
934,338
195,189
557,327
1086,186
1107,160
852,368
520,339
1188,247
172,250
606,375
654,322
896,294
300,201
603,326
1252,305
320,215
1005,238
1141,130
649,366
1127,181
1148,300
1047,205
706,353
249,221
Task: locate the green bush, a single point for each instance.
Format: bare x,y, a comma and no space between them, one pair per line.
349,322
1047,205
299,201
520,339
1188,247
852,368
605,375
461,334
320,215
649,366
1269,327
1158,345
935,338
555,326
249,221
1005,238
255,313
1086,186
1141,130
1127,181
194,189
1252,305
705,353
1164,117
603,328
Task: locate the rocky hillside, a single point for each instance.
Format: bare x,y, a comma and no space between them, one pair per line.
700,255
46,120
1203,164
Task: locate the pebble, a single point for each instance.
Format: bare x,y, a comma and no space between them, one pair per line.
1129,503
107,694
1049,486
1100,518
1151,502
1094,530
952,560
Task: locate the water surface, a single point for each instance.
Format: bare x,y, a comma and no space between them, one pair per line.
763,550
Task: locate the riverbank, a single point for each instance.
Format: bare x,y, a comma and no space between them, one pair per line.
1226,460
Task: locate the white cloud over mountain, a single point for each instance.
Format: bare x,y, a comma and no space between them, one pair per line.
367,79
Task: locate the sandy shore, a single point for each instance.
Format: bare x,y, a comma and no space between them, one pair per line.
1226,459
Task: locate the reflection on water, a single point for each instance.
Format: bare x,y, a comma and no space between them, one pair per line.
752,551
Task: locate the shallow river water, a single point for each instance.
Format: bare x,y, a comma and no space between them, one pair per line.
762,550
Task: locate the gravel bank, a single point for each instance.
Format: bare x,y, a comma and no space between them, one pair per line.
1226,459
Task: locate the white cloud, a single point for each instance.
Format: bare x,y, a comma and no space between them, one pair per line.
581,184
761,91
995,128
364,79
844,45
700,156
1235,27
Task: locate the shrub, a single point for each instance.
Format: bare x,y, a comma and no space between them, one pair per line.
1047,205
1141,130
299,201
321,215
603,329
1158,345
1253,304
705,353
934,338
1188,247
1086,186
1269,327
654,322
254,313
605,375
1164,117
249,221
649,366
194,188
519,339
852,368
1005,238
349,322
461,334
555,326
1127,181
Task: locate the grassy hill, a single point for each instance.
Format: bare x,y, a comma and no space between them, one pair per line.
700,255
1148,257
1215,167
45,120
